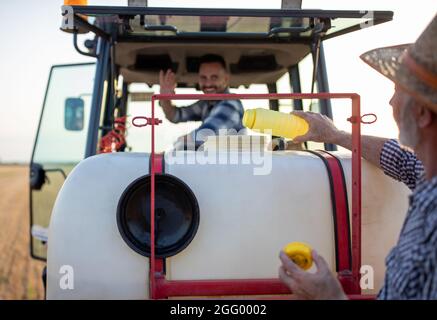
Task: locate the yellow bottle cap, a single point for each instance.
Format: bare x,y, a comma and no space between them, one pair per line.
249,118
300,253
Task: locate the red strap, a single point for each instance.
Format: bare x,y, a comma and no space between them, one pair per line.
340,209
343,240
158,163
159,169
159,166
341,219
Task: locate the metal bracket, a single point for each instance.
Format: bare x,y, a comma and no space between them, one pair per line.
78,49
136,121
273,32
320,27
291,30
72,22
315,50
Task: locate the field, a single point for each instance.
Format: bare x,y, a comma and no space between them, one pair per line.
20,275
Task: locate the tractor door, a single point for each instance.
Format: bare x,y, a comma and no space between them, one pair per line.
60,143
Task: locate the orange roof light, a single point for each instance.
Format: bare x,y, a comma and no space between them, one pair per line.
75,2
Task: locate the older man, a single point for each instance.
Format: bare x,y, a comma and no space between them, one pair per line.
411,266
215,115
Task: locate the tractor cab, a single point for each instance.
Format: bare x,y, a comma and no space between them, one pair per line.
88,107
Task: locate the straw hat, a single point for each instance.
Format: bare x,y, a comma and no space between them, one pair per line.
411,66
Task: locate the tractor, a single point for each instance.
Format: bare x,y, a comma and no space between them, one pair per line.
112,202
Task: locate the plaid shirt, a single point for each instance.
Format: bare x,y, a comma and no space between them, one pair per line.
411,266
215,115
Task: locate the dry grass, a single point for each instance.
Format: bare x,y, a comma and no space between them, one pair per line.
20,275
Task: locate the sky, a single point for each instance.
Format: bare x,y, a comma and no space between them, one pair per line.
31,43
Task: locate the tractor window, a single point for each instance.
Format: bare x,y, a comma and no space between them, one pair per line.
60,143
64,122
138,139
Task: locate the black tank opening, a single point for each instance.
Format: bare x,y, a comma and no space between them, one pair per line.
176,215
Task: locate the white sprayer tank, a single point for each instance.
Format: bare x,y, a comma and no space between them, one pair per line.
245,220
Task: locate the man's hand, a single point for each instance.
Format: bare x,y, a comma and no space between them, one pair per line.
167,82
321,128
321,285
167,85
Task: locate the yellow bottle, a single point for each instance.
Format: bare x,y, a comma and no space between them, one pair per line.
281,124
300,253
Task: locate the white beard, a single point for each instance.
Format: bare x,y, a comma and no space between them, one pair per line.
408,129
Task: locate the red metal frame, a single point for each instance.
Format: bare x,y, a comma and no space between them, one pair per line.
161,288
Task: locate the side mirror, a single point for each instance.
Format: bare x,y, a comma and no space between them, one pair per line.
37,176
74,114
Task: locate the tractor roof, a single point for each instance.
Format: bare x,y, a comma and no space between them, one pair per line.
258,45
